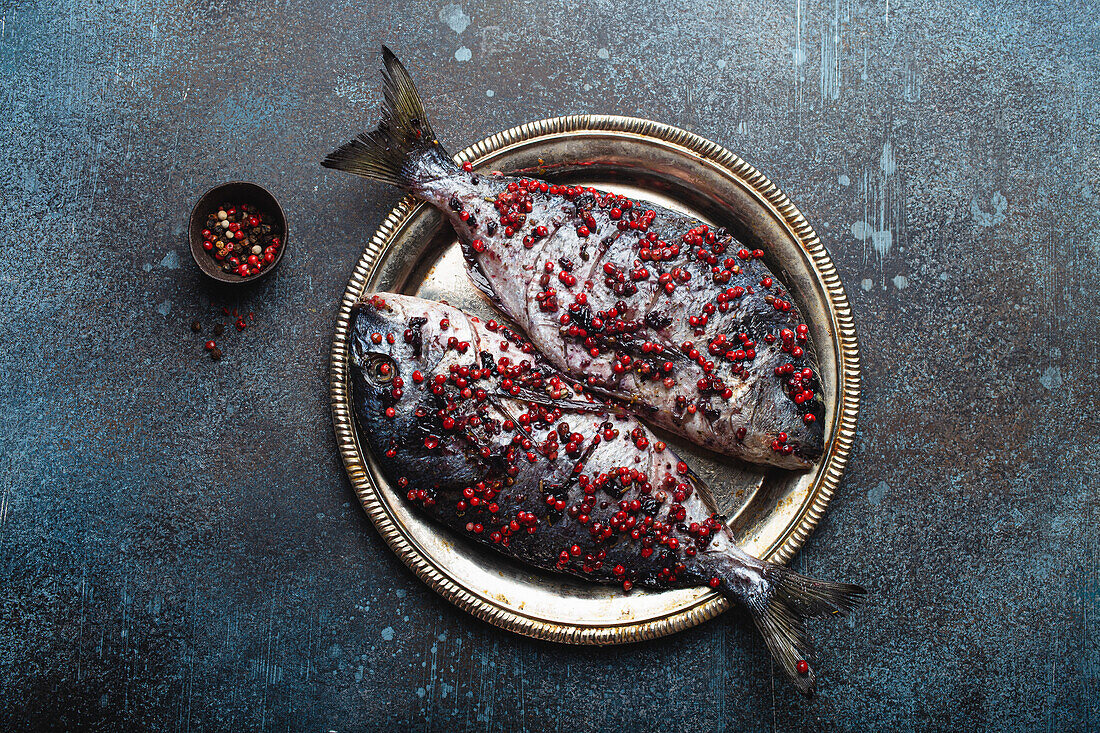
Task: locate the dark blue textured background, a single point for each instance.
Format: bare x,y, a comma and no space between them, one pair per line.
179,547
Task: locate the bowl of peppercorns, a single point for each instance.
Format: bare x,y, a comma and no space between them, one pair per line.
237,232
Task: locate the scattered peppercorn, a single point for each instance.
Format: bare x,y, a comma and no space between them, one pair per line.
219,329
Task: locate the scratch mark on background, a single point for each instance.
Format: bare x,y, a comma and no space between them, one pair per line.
308,673
125,634
520,677
882,192
798,58
432,685
4,505
830,57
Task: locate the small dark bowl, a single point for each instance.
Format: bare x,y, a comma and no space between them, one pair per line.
237,192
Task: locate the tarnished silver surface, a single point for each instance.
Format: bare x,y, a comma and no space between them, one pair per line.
771,512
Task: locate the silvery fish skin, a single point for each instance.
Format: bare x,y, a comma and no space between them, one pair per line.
481,434
682,324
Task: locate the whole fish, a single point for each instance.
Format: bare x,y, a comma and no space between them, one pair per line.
681,323
481,434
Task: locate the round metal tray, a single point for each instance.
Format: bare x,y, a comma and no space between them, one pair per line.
771,511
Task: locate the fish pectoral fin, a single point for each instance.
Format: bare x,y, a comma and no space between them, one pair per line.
702,490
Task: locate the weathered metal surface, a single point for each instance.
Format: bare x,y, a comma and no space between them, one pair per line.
179,548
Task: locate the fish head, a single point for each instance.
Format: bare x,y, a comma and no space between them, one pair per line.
398,345
392,339
778,422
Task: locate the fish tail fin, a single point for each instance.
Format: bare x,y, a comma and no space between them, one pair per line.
402,150
779,606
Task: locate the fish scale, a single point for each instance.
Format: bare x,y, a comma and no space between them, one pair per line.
543,325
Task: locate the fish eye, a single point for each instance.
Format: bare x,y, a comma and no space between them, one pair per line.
381,370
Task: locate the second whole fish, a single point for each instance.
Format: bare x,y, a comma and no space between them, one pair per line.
475,429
